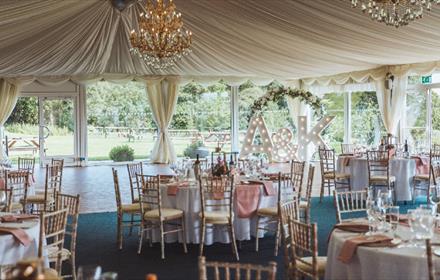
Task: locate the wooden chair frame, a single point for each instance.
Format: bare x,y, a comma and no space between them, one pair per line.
308,197
328,166
27,164
349,202
209,188
297,174
379,162
429,257
425,184
228,271
151,199
348,149
16,189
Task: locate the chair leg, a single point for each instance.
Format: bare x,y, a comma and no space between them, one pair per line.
322,191
131,224
119,231
73,265
234,244
141,237
184,234
202,237
256,234
162,241
278,238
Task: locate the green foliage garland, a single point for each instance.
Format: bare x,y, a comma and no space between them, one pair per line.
277,93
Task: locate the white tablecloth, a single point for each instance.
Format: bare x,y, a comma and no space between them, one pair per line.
403,169
378,263
188,200
12,251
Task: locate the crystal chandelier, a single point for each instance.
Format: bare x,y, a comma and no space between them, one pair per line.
161,39
394,12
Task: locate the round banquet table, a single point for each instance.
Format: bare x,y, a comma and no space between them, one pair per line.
11,251
402,168
188,200
378,263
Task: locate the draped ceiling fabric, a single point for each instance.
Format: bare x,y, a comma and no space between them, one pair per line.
8,97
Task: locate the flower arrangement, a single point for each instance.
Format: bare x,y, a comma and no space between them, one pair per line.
277,93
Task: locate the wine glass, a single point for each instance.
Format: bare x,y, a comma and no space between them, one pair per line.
89,272
2,199
393,216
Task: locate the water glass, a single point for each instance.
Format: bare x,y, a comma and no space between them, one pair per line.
430,208
89,272
393,215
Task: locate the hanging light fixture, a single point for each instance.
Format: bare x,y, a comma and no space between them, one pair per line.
161,39
394,12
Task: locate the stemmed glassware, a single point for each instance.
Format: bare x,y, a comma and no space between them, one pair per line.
393,216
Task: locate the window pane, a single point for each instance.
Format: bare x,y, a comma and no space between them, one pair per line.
435,101
415,128
366,122
202,114
119,115
333,135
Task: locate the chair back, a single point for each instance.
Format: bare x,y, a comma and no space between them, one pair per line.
327,161
227,271
133,169
16,187
378,164
52,230
60,164
150,196
26,164
350,202
286,189
54,175
309,186
430,259
304,243
216,194
71,203
297,174
348,149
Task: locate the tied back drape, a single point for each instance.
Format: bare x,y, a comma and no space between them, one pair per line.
162,95
391,103
8,98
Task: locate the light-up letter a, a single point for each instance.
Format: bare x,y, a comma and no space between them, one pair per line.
266,146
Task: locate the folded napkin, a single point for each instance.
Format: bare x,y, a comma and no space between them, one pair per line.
268,186
19,234
403,219
350,245
422,164
346,160
17,218
2,184
247,198
173,187
353,227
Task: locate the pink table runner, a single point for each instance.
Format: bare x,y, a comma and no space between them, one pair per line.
268,186
422,164
174,187
247,198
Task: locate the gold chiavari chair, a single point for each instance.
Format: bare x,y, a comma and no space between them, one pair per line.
304,252
27,164
425,182
133,169
16,187
348,149
60,164
71,202
286,192
153,215
329,176
433,275
306,201
132,209
45,201
216,195
228,271
289,210
52,230
350,202
379,171
297,174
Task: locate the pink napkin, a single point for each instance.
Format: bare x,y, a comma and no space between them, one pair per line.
247,198
422,164
268,186
19,234
346,160
174,187
17,218
2,184
350,245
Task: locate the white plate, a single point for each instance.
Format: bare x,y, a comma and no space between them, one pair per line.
24,225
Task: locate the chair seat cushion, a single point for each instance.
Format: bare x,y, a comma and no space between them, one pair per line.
216,217
167,214
329,175
15,206
268,211
322,262
380,178
52,254
133,207
421,177
38,198
303,204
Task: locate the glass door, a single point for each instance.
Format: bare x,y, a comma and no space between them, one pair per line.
57,129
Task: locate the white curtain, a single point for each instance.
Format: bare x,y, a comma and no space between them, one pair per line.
162,95
391,103
8,98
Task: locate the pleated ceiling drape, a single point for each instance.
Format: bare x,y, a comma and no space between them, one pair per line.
8,98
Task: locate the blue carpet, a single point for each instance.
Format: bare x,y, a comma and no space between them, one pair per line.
97,245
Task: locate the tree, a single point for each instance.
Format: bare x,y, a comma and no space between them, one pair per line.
25,111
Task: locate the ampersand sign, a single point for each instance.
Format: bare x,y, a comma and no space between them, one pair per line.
283,150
